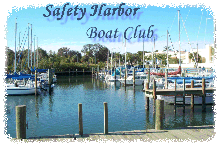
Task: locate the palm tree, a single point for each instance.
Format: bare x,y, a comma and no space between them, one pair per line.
165,48
194,59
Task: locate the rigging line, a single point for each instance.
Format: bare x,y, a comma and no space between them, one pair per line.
185,20
188,38
170,40
173,22
199,28
206,27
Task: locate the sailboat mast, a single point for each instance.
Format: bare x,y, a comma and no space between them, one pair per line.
34,52
107,59
143,53
19,49
111,61
125,55
179,36
28,47
155,53
119,60
167,50
31,45
15,44
37,52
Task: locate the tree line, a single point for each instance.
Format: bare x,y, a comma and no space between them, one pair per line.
91,55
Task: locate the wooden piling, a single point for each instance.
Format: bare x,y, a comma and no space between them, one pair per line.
105,118
146,86
69,72
115,74
175,85
35,82
175,96
133,76
92,71
166,81
147,103
80,119
98,72
50,79
125,75
83,72
184,88
148,75
20,121
50,76
120,72
203,96
76,72
159,114
154,89
192,96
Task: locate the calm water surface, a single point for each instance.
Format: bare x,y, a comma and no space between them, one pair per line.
57,114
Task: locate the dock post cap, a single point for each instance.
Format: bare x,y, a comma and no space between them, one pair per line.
20,105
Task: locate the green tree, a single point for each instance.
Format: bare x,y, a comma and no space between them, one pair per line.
193,56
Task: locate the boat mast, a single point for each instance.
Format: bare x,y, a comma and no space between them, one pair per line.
179,36
107,59
28,47
19,49
15,44
34,52
197,56
143,53
125,55
37,52
111,61
119,58
31,45
155,53
167,50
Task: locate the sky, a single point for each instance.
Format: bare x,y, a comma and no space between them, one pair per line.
53,34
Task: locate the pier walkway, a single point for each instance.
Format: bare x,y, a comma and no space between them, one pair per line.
189,134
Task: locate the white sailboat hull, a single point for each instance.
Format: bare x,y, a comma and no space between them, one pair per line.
20,91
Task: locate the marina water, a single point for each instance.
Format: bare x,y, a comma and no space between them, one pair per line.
57,114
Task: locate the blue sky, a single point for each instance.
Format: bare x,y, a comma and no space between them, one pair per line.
68,32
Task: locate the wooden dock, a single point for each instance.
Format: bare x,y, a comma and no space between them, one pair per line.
183,92
189,134
180,91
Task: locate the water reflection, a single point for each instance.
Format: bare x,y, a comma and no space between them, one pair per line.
57,113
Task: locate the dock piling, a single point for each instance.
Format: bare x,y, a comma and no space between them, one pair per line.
154,89
148,77
175,96
203,96
50,79
159,114
80,119
105,118
115,74
166,81
147,103
192,96
125,76
20,121
120,72
35,82
184,93
133,76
